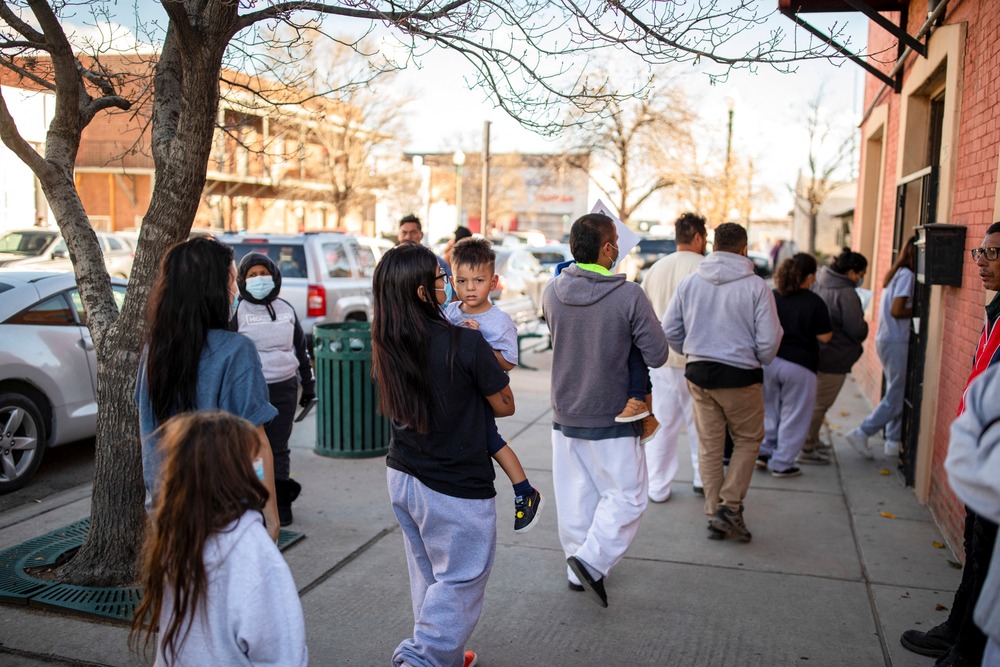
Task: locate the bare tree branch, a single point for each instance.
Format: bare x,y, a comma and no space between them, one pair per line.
13,140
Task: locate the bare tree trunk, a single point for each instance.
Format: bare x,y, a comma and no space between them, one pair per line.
183,127
813,221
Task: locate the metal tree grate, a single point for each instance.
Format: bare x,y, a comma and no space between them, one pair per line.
117,603
114,602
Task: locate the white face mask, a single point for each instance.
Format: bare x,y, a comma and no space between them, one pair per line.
260,286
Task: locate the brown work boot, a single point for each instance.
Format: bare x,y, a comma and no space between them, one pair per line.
634,411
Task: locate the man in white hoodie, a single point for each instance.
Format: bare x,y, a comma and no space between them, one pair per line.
724,320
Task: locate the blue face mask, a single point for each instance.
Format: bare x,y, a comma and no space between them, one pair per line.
260,286
449,292
860,280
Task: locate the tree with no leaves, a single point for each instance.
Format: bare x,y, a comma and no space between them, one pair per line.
531,56
641,143
823,165
354,111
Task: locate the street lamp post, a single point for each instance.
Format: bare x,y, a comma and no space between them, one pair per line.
458,159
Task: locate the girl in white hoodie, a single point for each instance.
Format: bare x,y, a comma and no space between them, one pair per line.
213,580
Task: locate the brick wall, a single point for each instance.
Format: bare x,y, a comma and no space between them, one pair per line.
977,147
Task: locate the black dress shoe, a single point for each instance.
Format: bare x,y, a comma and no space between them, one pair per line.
595,586
575,587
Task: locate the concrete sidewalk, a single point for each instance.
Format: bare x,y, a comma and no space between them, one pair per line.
827,580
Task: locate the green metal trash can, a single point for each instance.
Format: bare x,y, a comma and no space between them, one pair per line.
348,423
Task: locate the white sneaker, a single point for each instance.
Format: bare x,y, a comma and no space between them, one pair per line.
859,441
892,447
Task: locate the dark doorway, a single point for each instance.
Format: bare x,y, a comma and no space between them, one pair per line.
916,204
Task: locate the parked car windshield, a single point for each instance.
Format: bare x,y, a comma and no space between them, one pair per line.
290,259
547,257
25,243
657,246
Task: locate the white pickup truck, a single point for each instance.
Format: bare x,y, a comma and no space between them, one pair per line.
325,276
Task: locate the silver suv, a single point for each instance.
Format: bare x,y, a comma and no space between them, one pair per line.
325,276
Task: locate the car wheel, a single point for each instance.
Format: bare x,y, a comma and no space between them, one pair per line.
22,441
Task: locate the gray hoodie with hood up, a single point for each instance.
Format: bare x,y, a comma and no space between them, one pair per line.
847,318
724,313
594,321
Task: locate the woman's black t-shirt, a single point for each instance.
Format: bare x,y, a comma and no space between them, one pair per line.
803,316
453,458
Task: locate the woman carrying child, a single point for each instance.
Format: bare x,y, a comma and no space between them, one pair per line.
213,581
441,386
473,263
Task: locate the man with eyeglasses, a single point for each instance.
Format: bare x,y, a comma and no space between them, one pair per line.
958,641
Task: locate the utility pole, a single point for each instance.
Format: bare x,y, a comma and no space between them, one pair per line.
458,159
484,210
727,195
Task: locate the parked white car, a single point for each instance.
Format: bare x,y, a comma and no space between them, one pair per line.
48,369
45,250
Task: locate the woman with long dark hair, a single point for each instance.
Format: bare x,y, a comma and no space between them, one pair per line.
892,342
213,580
193,362
837,285
441,386
790,380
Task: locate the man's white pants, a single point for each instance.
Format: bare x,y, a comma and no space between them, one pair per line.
600,491
671,406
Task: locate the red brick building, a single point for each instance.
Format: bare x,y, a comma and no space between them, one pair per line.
268,170
930,140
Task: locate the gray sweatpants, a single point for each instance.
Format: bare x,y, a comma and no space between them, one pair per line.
789,399
450,545
889,411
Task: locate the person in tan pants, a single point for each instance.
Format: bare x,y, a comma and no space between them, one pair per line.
724,319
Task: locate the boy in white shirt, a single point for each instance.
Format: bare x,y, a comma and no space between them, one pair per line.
473,263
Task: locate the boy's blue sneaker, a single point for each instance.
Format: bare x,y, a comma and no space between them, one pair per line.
527,508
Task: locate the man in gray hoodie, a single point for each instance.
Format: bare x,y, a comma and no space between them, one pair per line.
598,467
723,318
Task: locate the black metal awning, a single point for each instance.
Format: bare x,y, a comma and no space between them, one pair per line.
793,9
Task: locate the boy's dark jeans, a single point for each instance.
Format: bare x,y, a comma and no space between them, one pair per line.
638,375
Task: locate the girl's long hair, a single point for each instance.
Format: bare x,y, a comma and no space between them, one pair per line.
793,272
907,257
208,482
191,296
401,325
